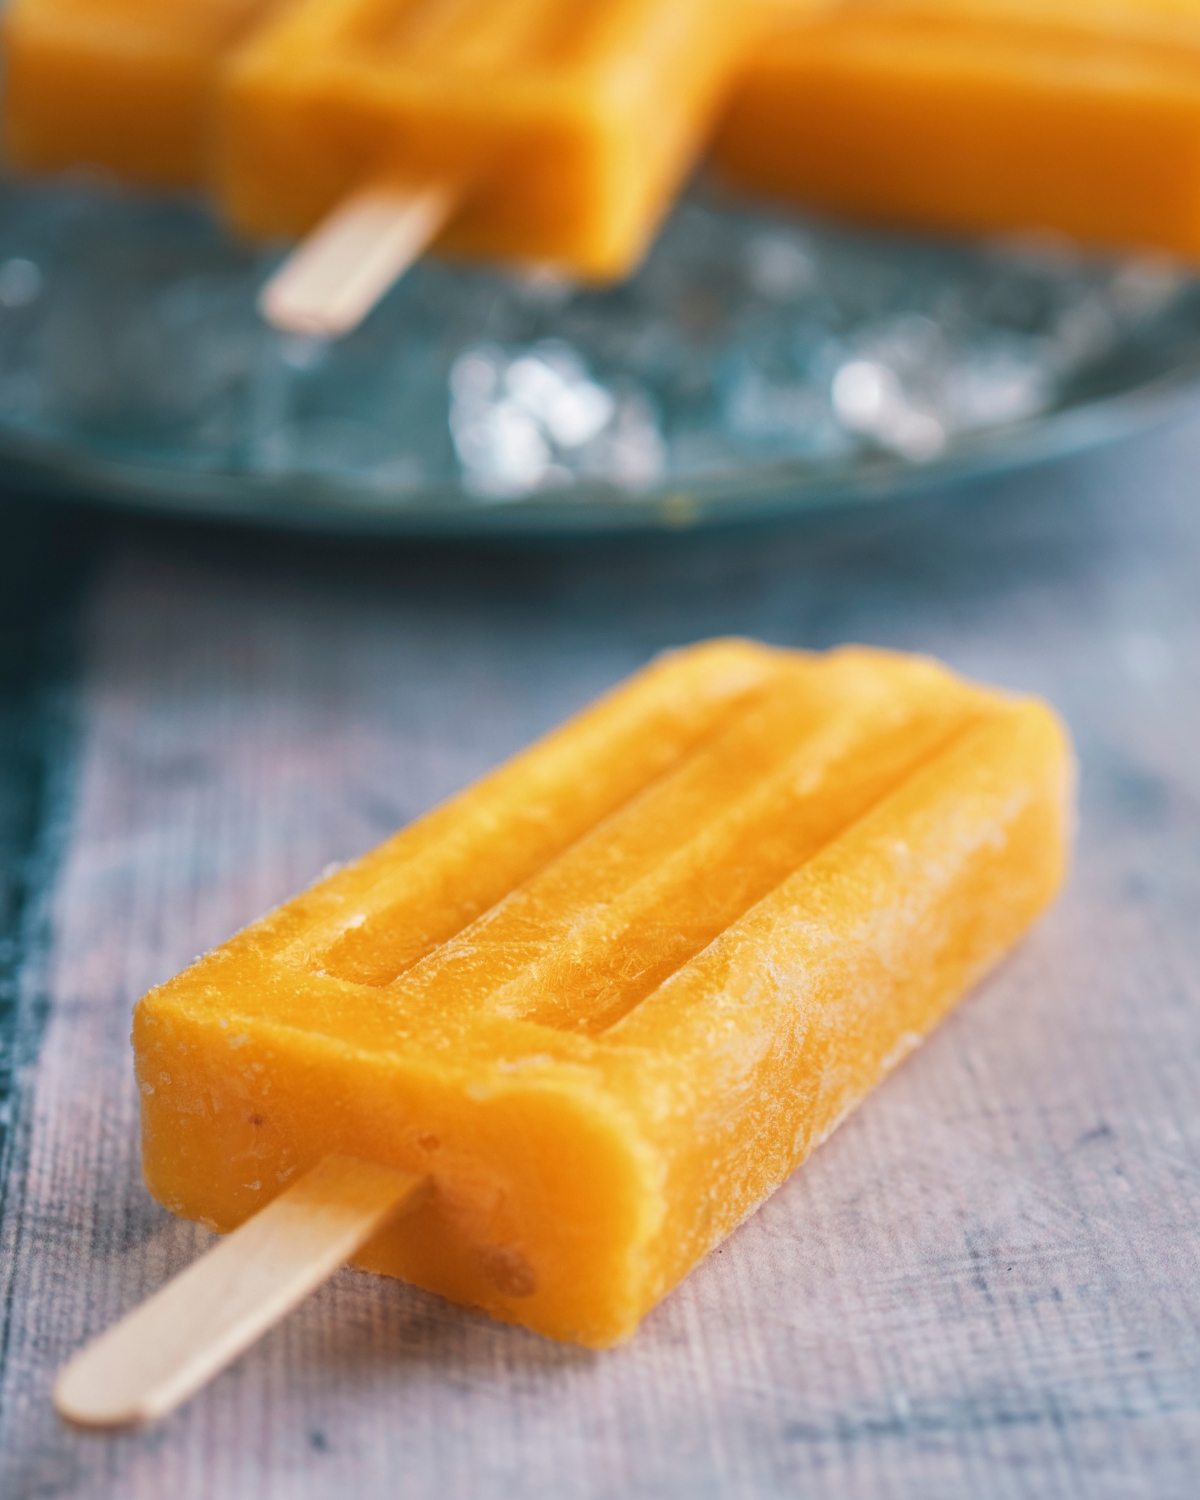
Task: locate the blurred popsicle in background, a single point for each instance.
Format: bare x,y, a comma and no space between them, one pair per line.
530,130
982,115
546,131
550,132
123,85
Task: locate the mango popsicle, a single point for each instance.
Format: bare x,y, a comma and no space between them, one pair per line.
606,1000
982,115
120,84
565,129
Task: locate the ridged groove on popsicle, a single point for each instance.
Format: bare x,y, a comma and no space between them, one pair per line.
790,1018
601,975
372,922
580,943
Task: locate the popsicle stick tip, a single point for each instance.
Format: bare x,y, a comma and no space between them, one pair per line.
75,1402
334,278
175,1342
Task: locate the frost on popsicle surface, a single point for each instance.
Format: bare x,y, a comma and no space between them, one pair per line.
608,998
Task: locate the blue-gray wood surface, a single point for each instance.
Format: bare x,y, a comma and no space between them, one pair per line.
986,1284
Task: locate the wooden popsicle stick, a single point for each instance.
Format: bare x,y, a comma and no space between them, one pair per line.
177,1340
333,279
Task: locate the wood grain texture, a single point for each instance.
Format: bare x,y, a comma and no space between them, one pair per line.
984,1285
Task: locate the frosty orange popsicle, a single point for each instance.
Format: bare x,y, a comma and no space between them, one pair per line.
564,129
983,115
120,84
603,1002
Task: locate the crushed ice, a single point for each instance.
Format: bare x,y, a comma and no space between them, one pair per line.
749,338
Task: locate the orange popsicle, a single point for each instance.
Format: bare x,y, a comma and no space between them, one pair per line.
120,84
983,115
564,129
604,1001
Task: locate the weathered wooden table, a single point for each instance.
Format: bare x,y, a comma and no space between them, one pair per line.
986,1285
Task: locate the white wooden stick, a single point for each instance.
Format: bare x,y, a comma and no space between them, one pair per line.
331,281
177,1340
